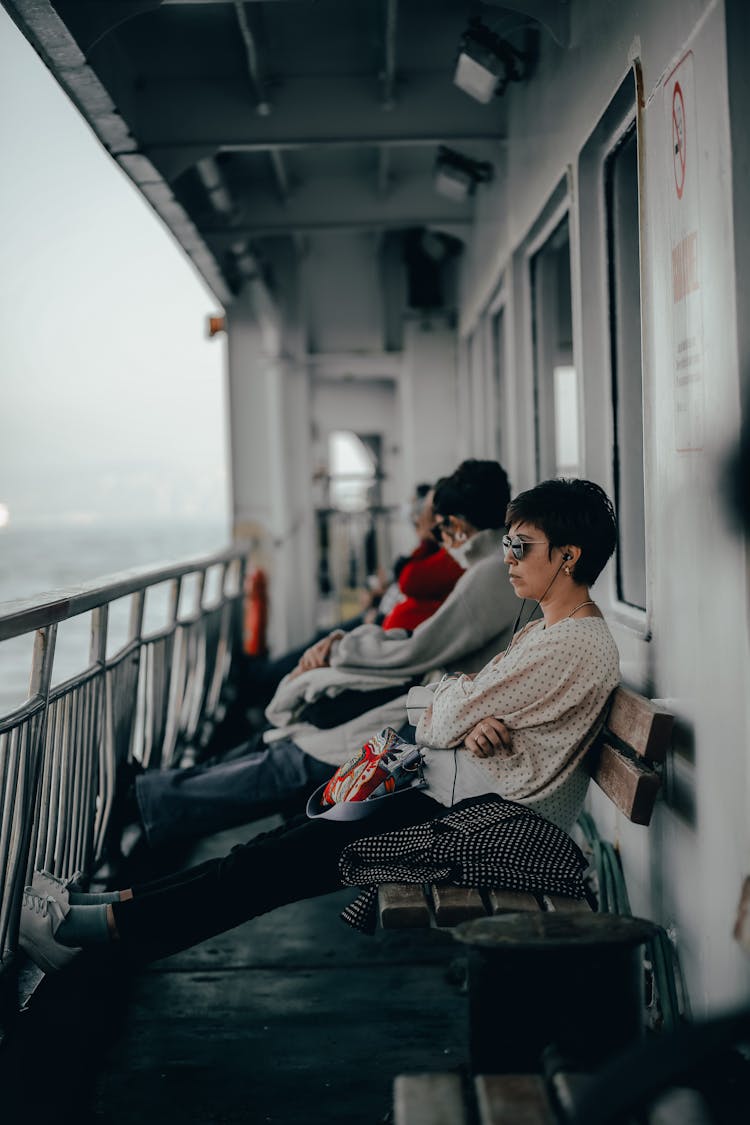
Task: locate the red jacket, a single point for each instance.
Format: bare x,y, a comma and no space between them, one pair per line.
425,580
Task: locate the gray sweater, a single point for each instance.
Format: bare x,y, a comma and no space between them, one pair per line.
473,625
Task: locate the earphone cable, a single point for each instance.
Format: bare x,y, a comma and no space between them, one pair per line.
537,605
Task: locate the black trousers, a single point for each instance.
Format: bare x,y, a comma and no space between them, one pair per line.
297,861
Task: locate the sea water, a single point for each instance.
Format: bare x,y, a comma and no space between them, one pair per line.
38,558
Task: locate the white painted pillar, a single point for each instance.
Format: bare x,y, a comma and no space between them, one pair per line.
270,456
429,399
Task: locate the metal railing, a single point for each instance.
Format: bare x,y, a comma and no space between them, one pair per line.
60,751
352,548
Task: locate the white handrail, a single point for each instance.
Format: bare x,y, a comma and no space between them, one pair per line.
60,751
28,614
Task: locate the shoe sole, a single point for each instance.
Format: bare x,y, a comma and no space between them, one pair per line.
32,950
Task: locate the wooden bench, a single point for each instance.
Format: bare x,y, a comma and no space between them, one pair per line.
624,763
517,1099
444,1099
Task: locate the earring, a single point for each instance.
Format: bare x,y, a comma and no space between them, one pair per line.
567,571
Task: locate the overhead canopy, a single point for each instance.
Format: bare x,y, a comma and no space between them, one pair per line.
242,122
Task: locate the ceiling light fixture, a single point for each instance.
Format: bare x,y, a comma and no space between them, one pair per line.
486,63
456,176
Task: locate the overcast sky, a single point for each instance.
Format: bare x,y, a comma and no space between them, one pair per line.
111,397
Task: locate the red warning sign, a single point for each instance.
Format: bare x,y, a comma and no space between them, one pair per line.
683,260
678,138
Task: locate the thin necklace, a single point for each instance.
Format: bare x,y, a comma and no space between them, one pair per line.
589,601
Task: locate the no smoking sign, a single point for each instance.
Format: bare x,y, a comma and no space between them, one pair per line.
678,138
683,264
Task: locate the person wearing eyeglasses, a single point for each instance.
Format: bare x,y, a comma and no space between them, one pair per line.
521,726
550,687
468,512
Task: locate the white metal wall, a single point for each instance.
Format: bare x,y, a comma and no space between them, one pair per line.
691,646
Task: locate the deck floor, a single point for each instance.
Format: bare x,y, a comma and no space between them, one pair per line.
291,1018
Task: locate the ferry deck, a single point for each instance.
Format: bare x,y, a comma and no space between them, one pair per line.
447,229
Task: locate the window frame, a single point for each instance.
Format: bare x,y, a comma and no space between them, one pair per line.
596,339
620,441
545,461
496,352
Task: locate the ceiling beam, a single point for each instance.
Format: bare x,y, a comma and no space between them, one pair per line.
343,202
307,110
217,239
389,61
252,58
357,142
356,365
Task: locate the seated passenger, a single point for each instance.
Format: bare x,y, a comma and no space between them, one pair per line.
422,582
425,578
547,693
322,714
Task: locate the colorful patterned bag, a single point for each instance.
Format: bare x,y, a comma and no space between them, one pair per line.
385,764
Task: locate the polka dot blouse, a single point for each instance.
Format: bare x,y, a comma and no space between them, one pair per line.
550,688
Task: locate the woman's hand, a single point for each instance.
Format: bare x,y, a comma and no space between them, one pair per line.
488,738
317,655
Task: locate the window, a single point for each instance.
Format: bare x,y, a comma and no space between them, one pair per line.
352,471
567,444
498,380
557,440
621,195
465,398
476,403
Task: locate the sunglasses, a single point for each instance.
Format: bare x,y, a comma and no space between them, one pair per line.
516,545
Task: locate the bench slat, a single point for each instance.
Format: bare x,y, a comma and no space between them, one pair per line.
646,728
567,1087
512,1099
403,906
564,904
631,787
428,1099
456,904
511,902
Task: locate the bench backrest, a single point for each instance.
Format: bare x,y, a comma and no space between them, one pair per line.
635,738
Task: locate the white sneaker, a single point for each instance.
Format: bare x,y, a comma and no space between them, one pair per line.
41,916
45,883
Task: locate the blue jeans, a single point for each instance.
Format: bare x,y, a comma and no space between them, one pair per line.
184,804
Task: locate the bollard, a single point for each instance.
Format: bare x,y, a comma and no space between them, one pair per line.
572,980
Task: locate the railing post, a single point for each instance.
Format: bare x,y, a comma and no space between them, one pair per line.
42,662
175,670
135,624
59,751
196,684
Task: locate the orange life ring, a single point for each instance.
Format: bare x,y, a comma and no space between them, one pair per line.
255,618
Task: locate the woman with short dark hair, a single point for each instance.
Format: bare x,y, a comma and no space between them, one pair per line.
528,717
519,728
